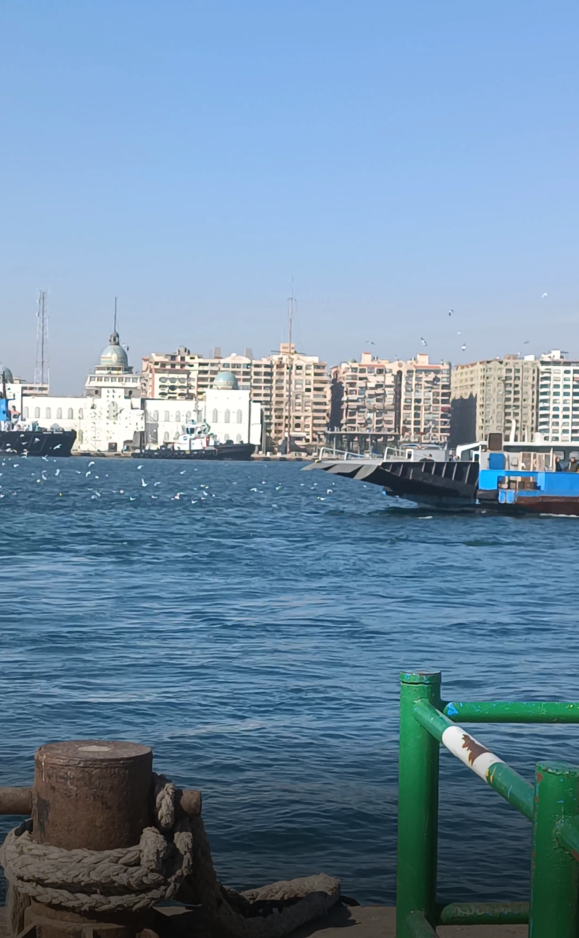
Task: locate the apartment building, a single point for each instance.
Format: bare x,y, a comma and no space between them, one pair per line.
300,396
497,395
390,401
558,399
291,388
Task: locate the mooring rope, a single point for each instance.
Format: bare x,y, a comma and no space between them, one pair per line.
171,860
127,878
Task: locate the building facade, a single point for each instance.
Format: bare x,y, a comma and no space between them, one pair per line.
558,399
292,389
390,401
497,395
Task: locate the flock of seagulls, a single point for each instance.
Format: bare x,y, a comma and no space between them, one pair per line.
97,486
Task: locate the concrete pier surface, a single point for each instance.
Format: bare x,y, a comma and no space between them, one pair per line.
380,922
372,921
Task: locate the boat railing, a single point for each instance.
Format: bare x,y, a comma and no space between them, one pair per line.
390,452
551,803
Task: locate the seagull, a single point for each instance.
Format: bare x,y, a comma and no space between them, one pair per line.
369,342
58,446
526,342
450,312
543,295
424,342
139,467
144,484
463,347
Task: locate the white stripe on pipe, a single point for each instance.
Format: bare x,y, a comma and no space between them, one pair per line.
468,749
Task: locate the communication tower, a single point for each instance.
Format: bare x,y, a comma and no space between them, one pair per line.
42,370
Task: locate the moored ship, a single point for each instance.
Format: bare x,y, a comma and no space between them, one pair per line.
196,441
30,439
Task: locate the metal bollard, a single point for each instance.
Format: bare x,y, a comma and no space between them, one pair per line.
96,795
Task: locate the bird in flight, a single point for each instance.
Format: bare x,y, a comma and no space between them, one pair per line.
543,295
450,312
424,342
463,348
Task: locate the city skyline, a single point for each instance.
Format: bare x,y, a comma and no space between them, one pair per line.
396,161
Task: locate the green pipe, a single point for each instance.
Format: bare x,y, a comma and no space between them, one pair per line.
488,711
568,836
554,909
417,926
417,809
484,913
500,776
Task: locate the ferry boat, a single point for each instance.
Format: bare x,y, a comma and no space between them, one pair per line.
30,439
494,475
198,442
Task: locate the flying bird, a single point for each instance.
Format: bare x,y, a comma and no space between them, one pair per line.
463,348
424,342
450,312
543,295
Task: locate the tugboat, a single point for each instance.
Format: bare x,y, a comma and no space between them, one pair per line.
29,439
493,476
198,442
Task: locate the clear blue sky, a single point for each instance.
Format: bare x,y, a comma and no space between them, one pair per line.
396,159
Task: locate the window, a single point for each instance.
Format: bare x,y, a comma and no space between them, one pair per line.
59,413
70,413
227,417
215,416
240,416
156,416
188,416
177,416
37,411
238,438
26,413
167,415
166,437
80,413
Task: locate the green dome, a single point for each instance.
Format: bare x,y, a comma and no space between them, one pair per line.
114,356
226,381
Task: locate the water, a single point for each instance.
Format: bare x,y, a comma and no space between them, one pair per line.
252,631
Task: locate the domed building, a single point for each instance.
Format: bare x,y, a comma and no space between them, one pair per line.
226,381
114,359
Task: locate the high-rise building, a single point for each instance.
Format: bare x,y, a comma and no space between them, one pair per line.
558,399
497,395
390,401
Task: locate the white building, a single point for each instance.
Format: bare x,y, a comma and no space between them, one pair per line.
558,399
112,416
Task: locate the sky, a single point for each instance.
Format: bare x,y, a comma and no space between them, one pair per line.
397,160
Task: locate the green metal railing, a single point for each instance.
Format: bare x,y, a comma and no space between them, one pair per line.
551,804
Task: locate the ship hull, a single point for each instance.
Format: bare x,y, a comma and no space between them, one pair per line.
236,452
37,442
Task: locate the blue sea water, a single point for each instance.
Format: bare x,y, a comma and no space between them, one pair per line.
249,622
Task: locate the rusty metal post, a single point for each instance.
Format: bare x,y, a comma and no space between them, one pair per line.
93,794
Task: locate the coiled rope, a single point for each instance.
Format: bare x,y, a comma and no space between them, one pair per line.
127,878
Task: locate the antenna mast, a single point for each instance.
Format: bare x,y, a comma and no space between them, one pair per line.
115,320
42,370
290,369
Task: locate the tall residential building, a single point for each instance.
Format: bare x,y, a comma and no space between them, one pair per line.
300,396
289,386
498,395
558,399
391,401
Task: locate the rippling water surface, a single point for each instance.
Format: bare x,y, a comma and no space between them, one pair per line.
250,621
